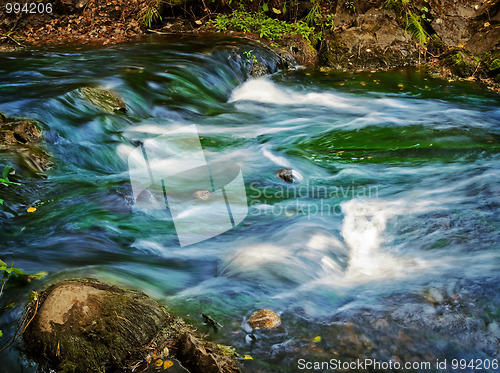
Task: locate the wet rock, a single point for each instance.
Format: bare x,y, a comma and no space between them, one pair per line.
33,158
20,137
106,100
461,63
264,319
202,194
285,174
23,131
258,70
299,49
26,131
200,357
86,326
434,296
7,139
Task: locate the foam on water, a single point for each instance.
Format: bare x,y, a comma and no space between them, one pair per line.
265,91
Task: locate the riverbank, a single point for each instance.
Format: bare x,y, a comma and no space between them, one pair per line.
455,40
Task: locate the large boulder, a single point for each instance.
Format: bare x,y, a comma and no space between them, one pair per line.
473,24
88,326
373,41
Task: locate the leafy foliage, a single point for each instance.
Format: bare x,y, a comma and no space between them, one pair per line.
151,13
259,23
399,6
414,25
4,180
13,273
251,58
413,21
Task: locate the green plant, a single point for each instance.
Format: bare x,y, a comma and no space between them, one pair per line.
151,13
15,274
269,28
412,18
414,25
251,58
314,14
350,6
330,21
4,180
399,6
425,14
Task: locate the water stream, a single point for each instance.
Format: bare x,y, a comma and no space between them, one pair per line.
386,246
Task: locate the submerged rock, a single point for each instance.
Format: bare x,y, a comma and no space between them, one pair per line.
264,319
258,70
23,131
88,326
21,137
106,100
285,174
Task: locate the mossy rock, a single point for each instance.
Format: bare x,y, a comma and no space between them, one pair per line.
460,63
258,70
491,64
24,131
87,326
21,137
105,100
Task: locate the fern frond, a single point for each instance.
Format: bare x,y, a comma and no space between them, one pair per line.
416,28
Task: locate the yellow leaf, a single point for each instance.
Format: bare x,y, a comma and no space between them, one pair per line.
277,11
317,339
198,22
167,364
248,357
159,362
31,209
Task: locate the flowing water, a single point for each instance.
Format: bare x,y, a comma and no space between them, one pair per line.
386,245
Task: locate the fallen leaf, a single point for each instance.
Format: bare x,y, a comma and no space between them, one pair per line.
159,362
167,364
31,209
277,11
317,339
198,22
165,351
248,357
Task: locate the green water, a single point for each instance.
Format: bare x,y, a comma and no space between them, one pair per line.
396,200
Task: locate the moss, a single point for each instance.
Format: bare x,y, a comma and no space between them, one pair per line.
106,100
225,350
460,63
495,64
107,329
